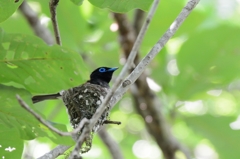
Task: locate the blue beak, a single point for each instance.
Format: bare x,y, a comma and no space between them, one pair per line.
112,69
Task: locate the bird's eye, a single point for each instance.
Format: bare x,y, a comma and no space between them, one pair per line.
102,70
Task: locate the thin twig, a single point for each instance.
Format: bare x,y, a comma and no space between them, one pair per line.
140,67
111,122
135,74
35,23
57,150
158,127
101,108
62,148
53,6
54,153
153,52
40,119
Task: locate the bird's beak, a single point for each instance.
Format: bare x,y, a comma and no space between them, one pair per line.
112,69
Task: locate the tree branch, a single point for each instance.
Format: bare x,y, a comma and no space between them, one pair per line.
40,119
59,149
129,64
137,71
74,134
111,122
112,146
154,51
35,23
53,6
162,133
105,102
154,119
54,153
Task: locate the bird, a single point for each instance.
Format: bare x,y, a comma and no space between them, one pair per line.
82,101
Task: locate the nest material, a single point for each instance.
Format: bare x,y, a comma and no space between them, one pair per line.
82,102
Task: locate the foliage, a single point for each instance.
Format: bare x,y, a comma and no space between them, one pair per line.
29,62
77,2
7,8
198,72
123,5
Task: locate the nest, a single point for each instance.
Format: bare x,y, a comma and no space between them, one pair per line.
82,102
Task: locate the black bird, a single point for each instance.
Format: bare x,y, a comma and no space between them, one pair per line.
82,101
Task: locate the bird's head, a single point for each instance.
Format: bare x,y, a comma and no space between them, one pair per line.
102,75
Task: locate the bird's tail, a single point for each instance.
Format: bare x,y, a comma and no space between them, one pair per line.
40,98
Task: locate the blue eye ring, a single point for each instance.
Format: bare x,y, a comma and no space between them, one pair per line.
102,70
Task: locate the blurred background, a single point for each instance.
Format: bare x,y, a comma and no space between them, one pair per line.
186,103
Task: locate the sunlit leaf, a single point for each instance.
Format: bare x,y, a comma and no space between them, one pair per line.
122,5
8,7
77,2
28,61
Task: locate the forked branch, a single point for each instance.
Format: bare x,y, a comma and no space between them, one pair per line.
137,71
120,87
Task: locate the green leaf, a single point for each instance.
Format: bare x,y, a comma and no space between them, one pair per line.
11,146
207,63
122,6
12,115
8,7
29,62
77,2
217,130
